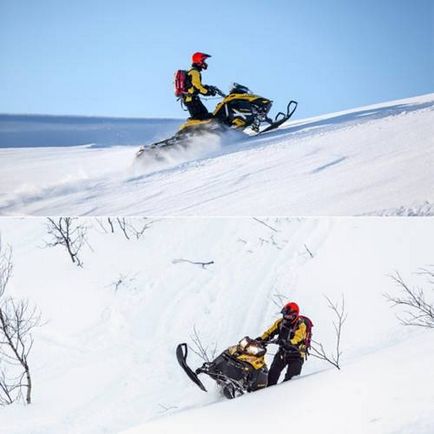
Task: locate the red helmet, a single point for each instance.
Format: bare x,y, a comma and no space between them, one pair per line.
199,59
291,311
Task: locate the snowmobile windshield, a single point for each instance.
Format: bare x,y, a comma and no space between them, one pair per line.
239,88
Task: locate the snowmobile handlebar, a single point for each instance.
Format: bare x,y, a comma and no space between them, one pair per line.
218,91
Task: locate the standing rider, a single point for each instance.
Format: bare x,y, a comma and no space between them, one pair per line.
293,338
191,99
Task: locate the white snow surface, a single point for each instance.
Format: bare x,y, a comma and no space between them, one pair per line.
375,160
104,362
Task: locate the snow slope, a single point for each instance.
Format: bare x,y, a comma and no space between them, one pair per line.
374,160
104,362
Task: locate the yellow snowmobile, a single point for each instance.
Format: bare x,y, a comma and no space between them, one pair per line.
239,369
238,110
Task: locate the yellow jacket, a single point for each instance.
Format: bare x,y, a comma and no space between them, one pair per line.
196,85
296,336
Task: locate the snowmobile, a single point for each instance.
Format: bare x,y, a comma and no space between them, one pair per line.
238,110
239,369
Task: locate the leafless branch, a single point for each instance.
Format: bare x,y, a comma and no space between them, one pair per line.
123,281
308,251
17,320
317,349
428,273
199,349
129,227
265,224
64,231
419,310
277,244
101,223
278,299
263,241
202,264
6,390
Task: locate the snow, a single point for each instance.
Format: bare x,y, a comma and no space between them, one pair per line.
366,397
374,160
104,362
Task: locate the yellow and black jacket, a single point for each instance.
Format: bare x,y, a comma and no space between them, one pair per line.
196,85
294,335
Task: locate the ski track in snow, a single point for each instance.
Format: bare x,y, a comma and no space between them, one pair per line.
376,160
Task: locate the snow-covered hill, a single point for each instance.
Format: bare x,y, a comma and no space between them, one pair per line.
373,160
104,361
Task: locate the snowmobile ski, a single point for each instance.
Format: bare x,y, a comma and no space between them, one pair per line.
181,355
281,117
155,147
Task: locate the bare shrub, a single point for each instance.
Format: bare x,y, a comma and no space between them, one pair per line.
131,228
317,349
206,353
68,233
419,310
17,320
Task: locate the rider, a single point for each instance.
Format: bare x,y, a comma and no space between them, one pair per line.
191,100
292,332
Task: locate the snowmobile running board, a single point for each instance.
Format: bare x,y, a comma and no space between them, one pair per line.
181,355
281,117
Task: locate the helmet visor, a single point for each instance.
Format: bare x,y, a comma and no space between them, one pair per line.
289,315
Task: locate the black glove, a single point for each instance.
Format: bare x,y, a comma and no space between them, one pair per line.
211,90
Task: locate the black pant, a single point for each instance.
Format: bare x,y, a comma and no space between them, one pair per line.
294,364
197,109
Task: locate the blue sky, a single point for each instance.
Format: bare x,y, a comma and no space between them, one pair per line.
117,58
